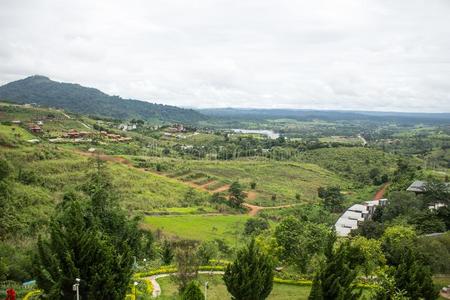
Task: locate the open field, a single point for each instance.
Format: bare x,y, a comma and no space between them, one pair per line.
200,227
285,180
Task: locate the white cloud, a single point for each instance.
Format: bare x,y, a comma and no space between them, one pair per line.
350,54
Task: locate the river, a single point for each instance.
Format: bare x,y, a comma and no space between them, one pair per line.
269,133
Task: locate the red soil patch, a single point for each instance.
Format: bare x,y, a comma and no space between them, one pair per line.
252,195
207,183
223,188
380,194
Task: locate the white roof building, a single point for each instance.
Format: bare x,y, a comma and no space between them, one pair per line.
355,214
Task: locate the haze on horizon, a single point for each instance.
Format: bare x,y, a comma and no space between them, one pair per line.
347,55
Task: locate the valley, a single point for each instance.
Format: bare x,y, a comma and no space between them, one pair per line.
176,179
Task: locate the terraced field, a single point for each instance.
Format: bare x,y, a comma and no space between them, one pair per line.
277,183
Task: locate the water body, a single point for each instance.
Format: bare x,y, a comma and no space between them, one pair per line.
269,133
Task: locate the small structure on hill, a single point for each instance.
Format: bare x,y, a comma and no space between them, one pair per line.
177,128
420,187
35,128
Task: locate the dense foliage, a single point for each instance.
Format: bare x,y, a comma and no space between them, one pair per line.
91,240
250,276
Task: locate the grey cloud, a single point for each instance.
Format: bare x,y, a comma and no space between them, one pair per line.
352,54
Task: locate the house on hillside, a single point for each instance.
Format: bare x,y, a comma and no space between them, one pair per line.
420,187
35,128
417,187
176,128
73,134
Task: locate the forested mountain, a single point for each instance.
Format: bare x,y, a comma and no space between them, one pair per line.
329,115
89,101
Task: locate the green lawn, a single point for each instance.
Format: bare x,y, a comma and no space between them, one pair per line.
184,210
218,290
200,227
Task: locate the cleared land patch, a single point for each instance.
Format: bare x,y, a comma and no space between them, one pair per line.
200,227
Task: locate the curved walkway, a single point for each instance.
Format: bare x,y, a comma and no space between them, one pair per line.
157,288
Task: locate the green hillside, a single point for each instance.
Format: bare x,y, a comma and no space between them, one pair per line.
89,101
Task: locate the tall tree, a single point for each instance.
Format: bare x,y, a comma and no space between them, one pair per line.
167,252
414,278
395,241
187,263
92,240
236,194
332,198
335,280
76,249
250,276
300,241
7,210
436,192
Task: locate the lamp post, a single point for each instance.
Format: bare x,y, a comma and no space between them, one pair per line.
76,287
135,288
206,290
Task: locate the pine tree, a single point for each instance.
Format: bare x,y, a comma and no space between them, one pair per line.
335,280
187,263
236,195
167,252
316,289
192,292
77,250
414,278
250,276
92,240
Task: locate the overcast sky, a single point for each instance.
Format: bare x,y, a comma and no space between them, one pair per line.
362,54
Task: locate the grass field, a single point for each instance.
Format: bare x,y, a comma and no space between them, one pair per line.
283,179
218,291
341,139
200,227
15,132
144,191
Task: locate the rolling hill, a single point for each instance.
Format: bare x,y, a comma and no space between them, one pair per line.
90,101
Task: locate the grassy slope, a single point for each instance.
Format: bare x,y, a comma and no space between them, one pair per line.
285,179
15,132
353,163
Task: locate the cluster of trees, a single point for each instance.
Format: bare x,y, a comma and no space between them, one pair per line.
90,238
332,198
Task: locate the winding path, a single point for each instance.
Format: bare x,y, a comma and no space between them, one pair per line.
157,288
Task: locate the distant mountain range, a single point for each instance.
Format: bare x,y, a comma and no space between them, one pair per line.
330,115
89,101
